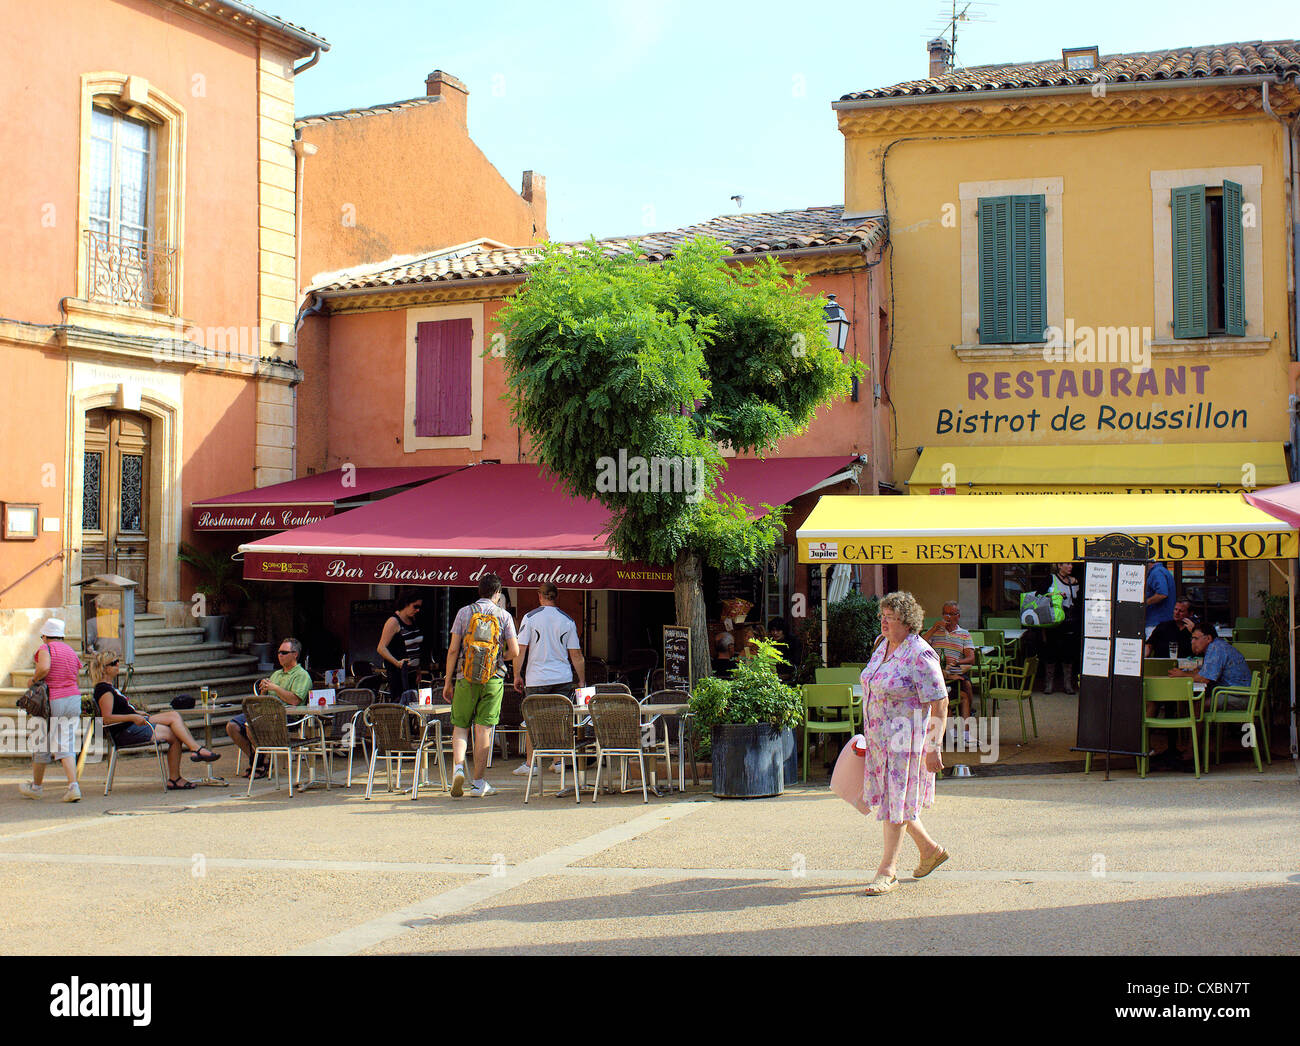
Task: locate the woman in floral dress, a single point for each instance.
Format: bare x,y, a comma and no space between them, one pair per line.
904,707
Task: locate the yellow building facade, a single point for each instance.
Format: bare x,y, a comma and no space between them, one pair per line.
1091,285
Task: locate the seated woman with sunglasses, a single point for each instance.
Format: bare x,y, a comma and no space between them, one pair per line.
130,727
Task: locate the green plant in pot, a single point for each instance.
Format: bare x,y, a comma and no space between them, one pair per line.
216,583
750,719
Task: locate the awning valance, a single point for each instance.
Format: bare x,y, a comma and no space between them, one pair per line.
300,502
1169,468
1012,528
512,520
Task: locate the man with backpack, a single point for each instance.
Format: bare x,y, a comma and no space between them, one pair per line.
483,639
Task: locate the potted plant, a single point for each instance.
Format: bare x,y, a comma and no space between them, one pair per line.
852,626
216,583
750,719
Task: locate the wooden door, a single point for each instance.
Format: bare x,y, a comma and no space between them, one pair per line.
115,497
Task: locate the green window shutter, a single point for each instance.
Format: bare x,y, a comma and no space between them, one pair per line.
1028,261
1234,269
1190,310
995,253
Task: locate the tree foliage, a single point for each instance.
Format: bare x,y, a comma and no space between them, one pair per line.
666,361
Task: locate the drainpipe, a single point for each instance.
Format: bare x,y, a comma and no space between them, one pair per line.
1292,204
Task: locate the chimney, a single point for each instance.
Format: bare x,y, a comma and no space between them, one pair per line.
940,57
534,192
445,86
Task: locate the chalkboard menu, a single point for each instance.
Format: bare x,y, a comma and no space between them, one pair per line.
737,586
677,657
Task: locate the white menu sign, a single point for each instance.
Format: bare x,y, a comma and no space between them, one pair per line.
1132,583
1128,657
1096,583
1096,618
1096,657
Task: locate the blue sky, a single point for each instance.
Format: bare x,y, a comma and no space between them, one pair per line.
651,114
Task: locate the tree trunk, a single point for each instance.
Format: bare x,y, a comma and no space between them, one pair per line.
688,595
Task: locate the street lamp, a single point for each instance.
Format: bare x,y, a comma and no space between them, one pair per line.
837,332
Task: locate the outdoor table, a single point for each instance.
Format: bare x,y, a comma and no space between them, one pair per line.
581,713
206,712
320,714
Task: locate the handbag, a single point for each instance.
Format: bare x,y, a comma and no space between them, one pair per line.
36,701
847,777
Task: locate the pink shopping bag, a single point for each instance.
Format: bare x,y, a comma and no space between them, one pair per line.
847,777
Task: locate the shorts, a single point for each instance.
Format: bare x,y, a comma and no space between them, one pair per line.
478,703
61,736
135,734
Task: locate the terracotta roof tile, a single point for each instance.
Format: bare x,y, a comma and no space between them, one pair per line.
1256,58
370,110
745,234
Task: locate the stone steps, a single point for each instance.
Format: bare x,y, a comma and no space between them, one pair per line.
180,676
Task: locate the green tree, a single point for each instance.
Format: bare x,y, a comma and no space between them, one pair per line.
665,362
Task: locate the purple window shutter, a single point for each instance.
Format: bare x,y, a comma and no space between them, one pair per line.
443,378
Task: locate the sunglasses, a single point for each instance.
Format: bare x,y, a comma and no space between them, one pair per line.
114,664
284,653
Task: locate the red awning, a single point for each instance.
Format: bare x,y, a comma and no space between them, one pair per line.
512,520
301,502
1279,502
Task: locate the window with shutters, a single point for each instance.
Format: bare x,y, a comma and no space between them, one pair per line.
444,378
1012,269
1208,260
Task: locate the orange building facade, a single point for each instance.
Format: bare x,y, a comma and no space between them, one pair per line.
150,294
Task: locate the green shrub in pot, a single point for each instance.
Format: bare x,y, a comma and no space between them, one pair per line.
753,694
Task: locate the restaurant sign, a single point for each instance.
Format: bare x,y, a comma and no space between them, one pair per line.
1045,548
454,571
209,519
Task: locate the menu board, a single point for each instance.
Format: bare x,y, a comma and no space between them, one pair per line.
1132,583
677,657
1128,657
1096,584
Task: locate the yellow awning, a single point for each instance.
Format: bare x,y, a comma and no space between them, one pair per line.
1128,469
1011,528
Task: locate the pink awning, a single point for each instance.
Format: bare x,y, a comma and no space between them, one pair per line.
1279,502
301,502
512,520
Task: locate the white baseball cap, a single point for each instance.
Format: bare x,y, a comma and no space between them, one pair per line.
53,629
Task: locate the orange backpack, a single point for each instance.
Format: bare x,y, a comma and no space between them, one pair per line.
479,648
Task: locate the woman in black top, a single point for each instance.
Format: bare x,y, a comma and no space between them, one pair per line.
130,727
403,664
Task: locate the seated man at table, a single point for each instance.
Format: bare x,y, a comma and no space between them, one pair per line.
291,683
955,648
1223,665
1177,632
724,654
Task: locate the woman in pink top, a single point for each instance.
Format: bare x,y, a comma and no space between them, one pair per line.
904,706
58,666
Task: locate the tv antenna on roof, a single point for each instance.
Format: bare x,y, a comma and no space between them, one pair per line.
960,11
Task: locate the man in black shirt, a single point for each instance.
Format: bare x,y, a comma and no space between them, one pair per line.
1177,632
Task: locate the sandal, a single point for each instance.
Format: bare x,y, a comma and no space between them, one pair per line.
199,757
881,884
179,784
929,864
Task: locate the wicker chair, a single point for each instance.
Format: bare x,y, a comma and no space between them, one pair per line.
348,736
268,732
549,719
377,683
617,719
613,688
637,667
398,734
597,671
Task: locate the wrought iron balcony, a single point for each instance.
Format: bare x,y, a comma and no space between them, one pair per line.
128,272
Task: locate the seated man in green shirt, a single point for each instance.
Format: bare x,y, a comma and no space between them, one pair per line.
291,683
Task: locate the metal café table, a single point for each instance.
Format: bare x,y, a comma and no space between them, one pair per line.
206,712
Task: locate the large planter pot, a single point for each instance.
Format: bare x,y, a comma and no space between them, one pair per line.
214,628
790,755
261,651
244,637
748,761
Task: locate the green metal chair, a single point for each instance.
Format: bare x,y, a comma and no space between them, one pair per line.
1249,635
1261,665
1012,683
1155,667
1010,647
1177,690
836,712
1253,651
1249,622
839,675
979,676
858,667
1251,714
